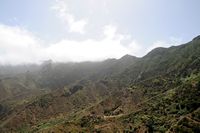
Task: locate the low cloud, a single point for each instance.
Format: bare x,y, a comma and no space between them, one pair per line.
17,45
21,46
92,50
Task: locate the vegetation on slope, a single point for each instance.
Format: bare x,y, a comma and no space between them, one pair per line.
157,93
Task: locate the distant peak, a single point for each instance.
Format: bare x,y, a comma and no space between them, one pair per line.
127,56
156,51
196,38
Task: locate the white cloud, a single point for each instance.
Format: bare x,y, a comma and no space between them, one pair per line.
135,49
110,31
86,50
62,11
17,45
109,47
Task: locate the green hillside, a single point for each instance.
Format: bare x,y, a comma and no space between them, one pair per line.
156,93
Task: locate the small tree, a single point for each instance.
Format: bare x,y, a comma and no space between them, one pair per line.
149,124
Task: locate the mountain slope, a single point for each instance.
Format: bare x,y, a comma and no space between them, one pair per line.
156,93
180,60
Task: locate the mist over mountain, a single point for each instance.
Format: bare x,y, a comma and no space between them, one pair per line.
158,92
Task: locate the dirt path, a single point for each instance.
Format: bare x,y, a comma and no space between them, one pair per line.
187,116
112,116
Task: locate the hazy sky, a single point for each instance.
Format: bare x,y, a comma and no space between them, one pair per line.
32,31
